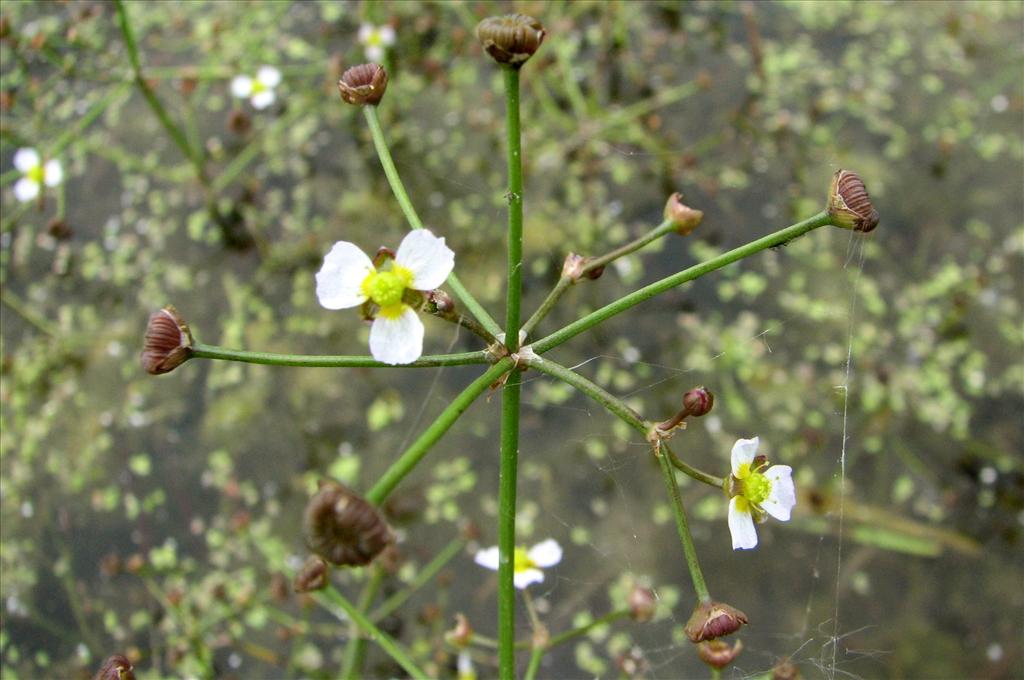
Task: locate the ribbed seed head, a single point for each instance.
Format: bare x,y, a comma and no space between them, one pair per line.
363,84
510,39
712,620
849,204
168,342
343,528
116,667
312,576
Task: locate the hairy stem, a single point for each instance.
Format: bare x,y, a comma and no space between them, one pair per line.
419,448
201,351
402,196
669,282
683,527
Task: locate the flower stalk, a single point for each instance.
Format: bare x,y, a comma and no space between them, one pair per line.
683,527
201,351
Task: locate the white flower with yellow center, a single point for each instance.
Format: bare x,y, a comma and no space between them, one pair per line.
259,90
526,564
35,174
349,279
375,40
756,489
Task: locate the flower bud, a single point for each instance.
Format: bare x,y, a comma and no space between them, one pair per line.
116,667
712,620
785,670
441,301
642,603
849,205
510,39
312,576
683,216
168,342
343,528
718,654
461,634
363,84
698,402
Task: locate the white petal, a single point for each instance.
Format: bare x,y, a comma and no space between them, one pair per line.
339,281
399,340
25,189
262,100
427,257
743,452
241,86
546,553
782,497
52,173
741,526
487,558
387,34
365,31
374,53
26,159
523,578
269,76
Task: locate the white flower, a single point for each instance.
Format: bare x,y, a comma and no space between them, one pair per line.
756,491
526,564
348,279
35,174
464,666
375,39
259,90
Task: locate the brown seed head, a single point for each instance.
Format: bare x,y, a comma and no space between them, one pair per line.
685,218
343,528
510,39
698,402
718,654
642,603
849,204
363,84
116,667
312,576
712,620
168,342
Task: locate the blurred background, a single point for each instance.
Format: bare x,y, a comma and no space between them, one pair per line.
157,516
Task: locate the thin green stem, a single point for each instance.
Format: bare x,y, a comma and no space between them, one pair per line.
507,526
683,527
535,658
392,648
201,351
179,138
618,408
515,208
568,635
355,650
419,448
422,578
670,282
402,196
564,283
666,227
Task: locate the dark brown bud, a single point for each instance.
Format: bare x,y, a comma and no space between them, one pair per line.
849,205
510,39
461,634
59,229
312,576
279,586
239,121
594,273
168,342
116,667
363,84
642,604
441,301
718,654
685,218
343,528
712,620
698,402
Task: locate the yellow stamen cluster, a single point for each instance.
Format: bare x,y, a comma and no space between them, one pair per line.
386,289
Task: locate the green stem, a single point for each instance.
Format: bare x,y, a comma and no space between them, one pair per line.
422,578
419,448
669,282
564,283
666,227
154,102
201,351
507,526
515,209
561,638
402,196
393,649
684,528
355,650
535,657
618,408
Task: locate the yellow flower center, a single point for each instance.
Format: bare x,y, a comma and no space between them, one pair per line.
756,488
258,86
521,561
387,288
36,174
374,38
